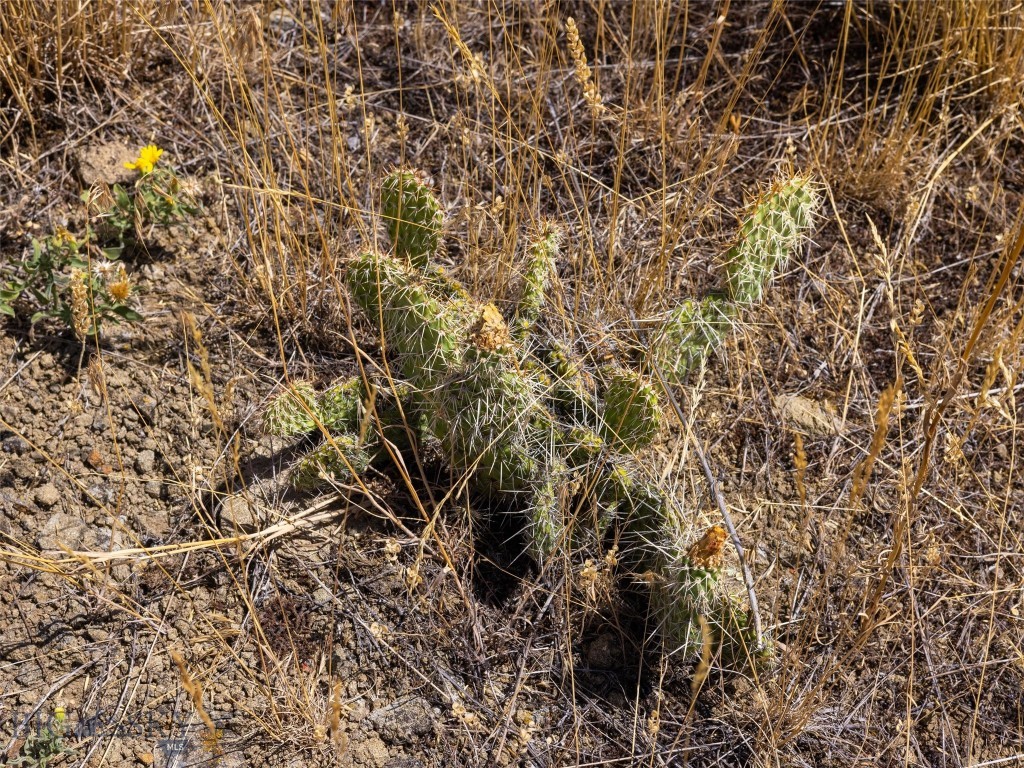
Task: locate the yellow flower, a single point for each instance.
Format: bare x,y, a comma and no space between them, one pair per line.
146,160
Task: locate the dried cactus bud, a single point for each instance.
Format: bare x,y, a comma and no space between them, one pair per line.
490,332
706,552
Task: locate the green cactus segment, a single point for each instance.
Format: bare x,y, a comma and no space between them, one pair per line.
413,216
572,390
290,413
423,331
690,333
340,459
546,519
492,420
540,266
688,587
768,236
444,286
578,446
339,405
632,412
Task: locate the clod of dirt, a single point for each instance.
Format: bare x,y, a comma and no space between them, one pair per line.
604,652
47,495
404,721
808,415
104,163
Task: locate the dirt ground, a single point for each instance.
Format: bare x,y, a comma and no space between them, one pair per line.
163,584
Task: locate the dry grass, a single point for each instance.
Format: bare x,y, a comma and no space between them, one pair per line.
886,553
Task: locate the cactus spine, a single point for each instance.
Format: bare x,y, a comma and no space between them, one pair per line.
632,411
688,588
291,412
539,268
768,236
341,458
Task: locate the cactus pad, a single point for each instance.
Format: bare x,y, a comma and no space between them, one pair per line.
413,216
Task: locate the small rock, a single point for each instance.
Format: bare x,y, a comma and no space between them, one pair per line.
145,462
372,753
16,445
47,495
63,531
404,762
281,21
104,163
812,417
99,495
97,634
151,520
155,489
404,721
23,468
153,272
237,511
146,407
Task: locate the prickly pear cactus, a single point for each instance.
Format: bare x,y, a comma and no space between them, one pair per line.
413,216
777,222
518,414
768,236
632,410
291,412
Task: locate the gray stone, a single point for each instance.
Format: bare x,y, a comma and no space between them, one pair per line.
47,495
237,511
404,721
155,489
145,462
16,445
97,634
63,531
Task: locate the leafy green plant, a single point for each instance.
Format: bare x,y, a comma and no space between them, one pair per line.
63,278
43,744
519,415
157,199
80,280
